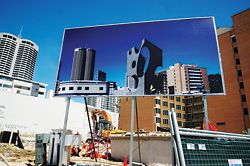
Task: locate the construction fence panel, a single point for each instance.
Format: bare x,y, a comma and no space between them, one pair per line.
209,148
214,151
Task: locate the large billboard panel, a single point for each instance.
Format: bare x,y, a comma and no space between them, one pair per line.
167,57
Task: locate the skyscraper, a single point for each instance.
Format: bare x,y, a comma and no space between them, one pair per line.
90,63
83,64
77,72
17,56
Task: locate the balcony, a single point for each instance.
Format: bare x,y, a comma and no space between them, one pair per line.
195,83
191,78
194,70
194,74
196,80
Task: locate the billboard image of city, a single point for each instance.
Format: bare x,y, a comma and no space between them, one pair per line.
167,57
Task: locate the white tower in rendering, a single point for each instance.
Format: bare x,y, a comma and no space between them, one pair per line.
17,56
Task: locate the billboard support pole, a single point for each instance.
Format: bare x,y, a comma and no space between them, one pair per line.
132,131
205,111
91,133
138,132
63,136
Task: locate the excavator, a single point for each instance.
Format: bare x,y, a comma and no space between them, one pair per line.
102,124
102,128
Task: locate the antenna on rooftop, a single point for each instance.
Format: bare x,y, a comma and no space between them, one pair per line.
20,33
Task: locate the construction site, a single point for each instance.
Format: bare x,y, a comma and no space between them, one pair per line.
109,146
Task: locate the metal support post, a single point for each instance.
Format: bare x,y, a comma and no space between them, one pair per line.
63,136
178,138
132,131
138,132
205,111
175,156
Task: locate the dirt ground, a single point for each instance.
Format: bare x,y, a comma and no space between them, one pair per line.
14,154
20,157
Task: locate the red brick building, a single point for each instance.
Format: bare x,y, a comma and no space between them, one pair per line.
230,112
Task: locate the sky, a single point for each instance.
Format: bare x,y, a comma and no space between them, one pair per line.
44,21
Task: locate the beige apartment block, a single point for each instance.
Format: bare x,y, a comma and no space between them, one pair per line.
185,78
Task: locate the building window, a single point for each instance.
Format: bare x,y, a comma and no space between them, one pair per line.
71,88
87,88
172,105
178,99
233,39
165,121
239,73
178,107
179,123
235,50
164,103
165,112
157,111
243,98
178,115
158,120
7,86
165,97
63,88
241,85
221,123
157,101
79,88
100,88
245,111
237,61
41,93
171,97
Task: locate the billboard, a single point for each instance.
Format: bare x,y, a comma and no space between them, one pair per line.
166,57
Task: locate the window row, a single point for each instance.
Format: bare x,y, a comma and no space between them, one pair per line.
78,88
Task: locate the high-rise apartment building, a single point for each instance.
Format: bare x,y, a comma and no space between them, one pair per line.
110,103
83,64
184,78
230,113
17,56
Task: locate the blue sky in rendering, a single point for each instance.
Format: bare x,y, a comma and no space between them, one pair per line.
44,20
188,41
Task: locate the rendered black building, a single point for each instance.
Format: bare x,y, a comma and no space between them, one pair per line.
83,64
